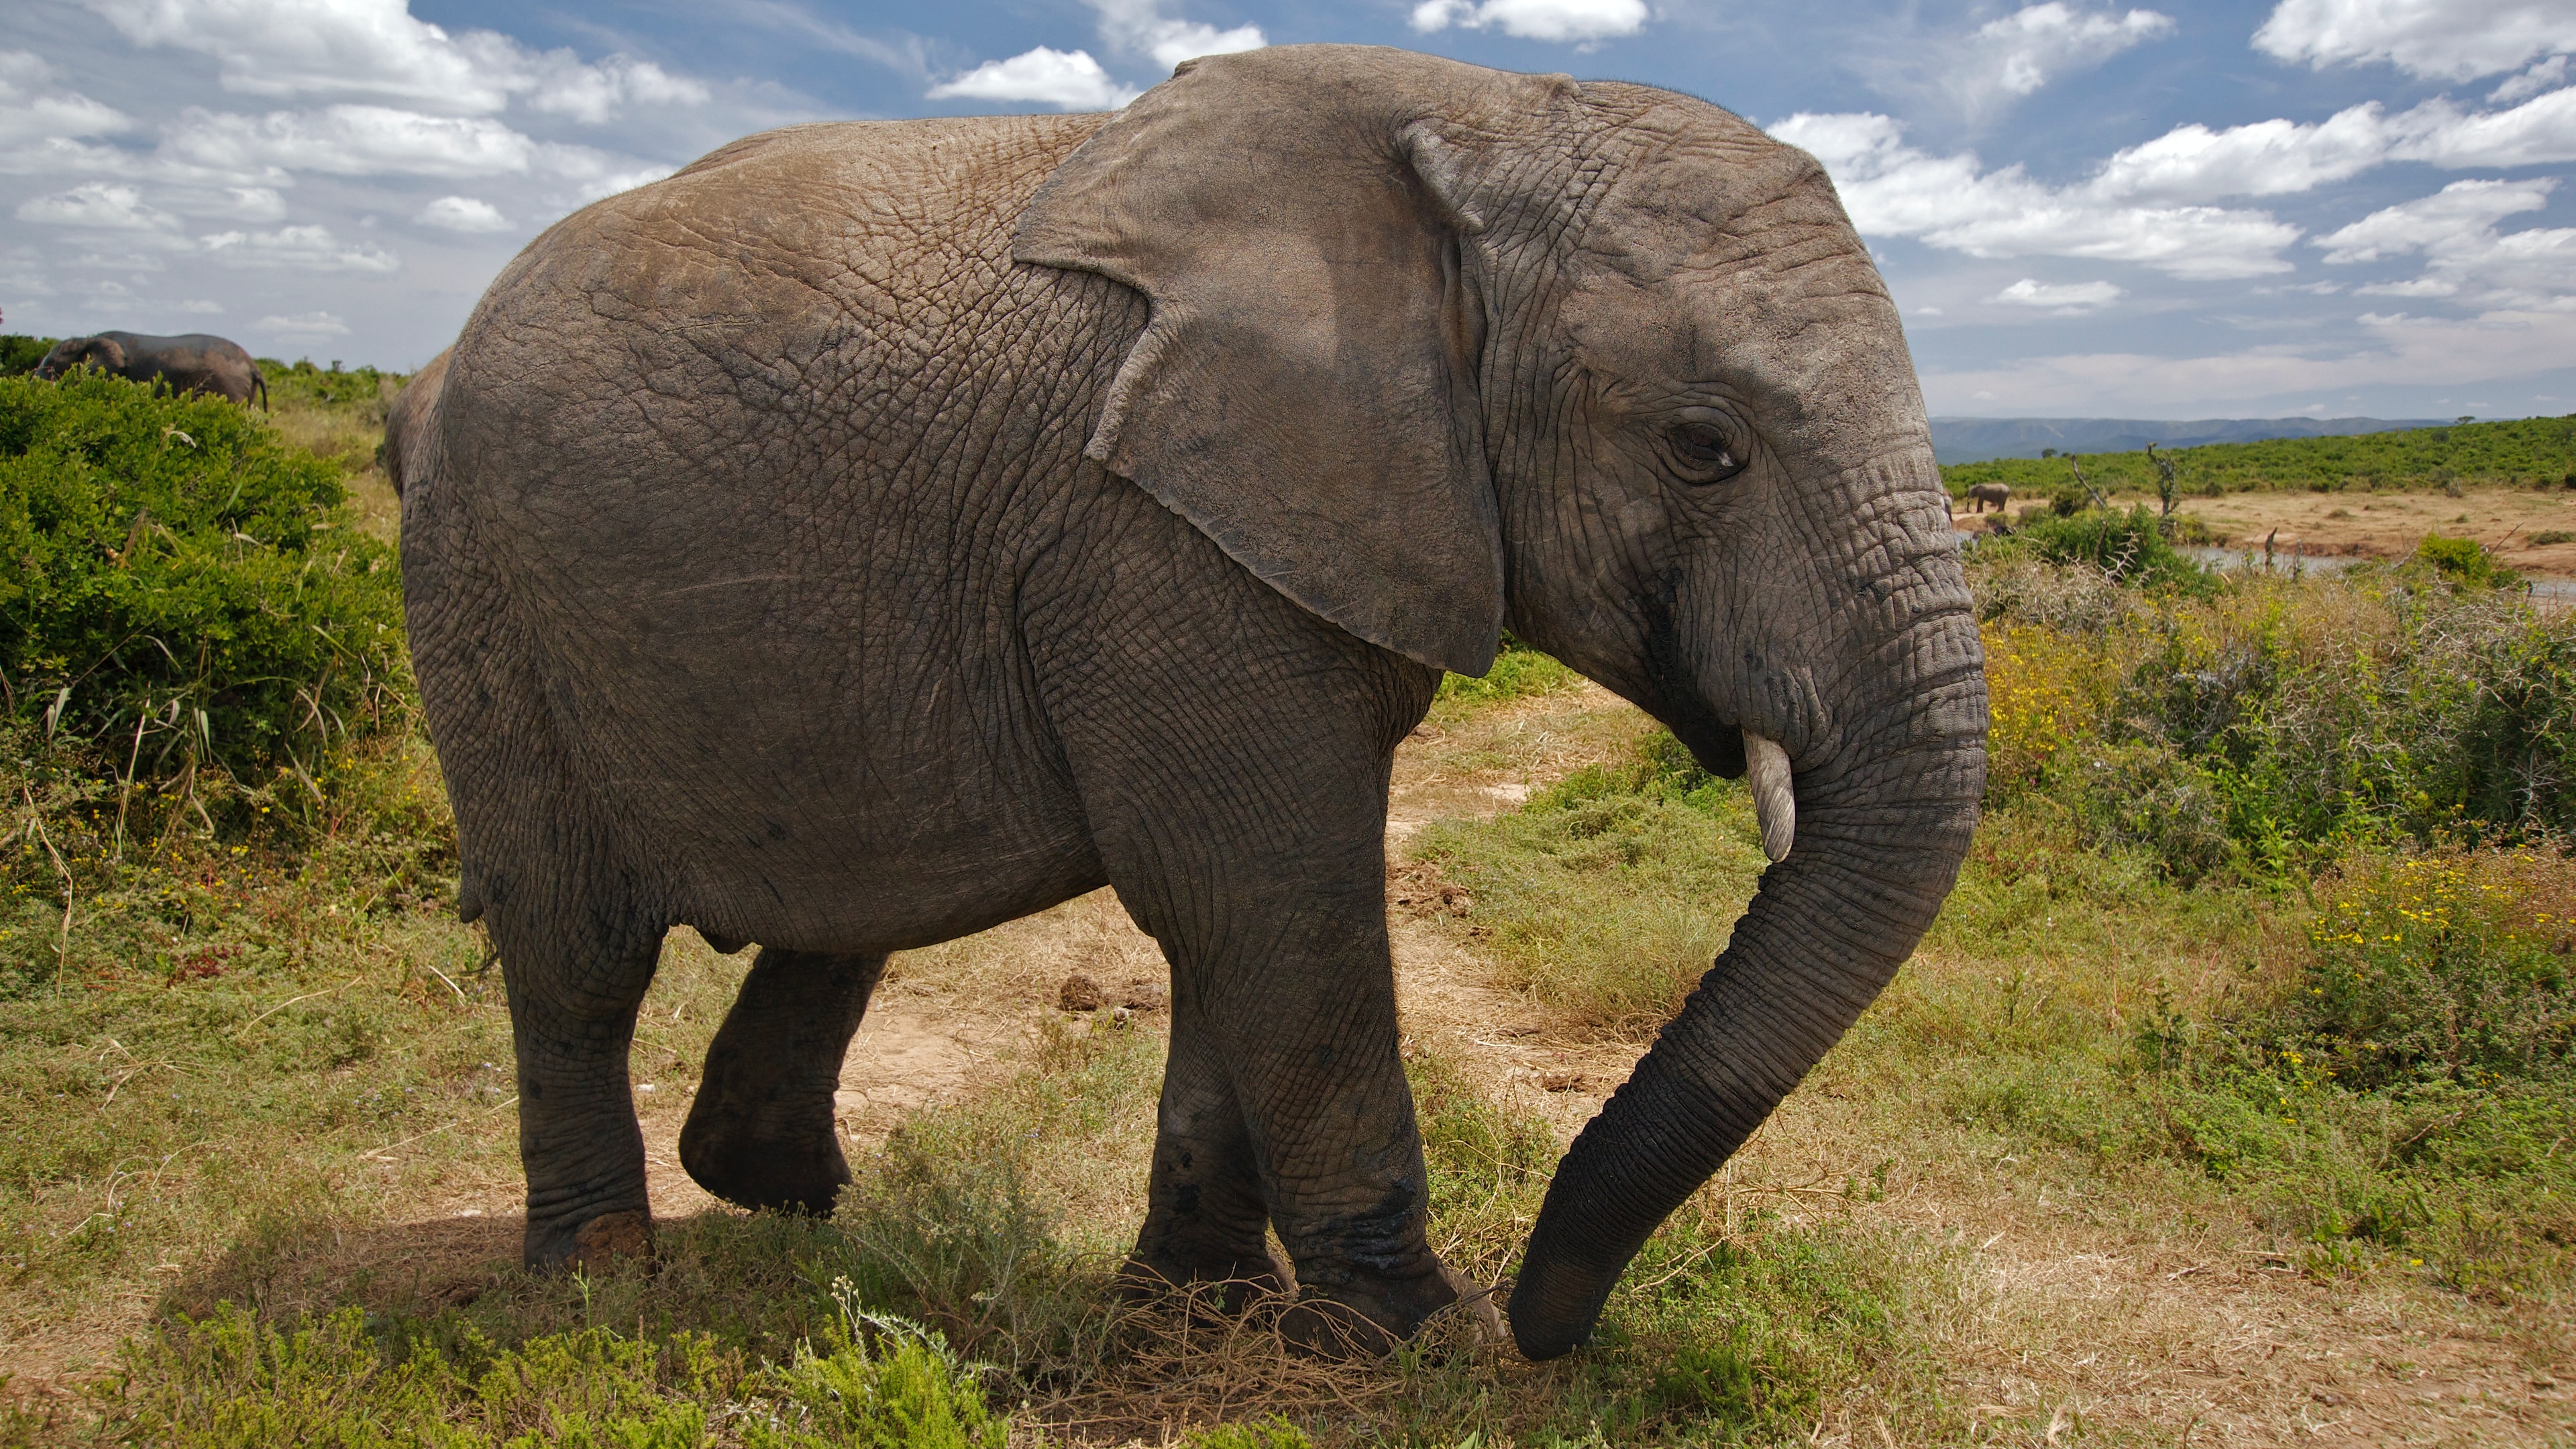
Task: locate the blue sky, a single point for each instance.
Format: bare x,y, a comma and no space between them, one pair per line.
2171,210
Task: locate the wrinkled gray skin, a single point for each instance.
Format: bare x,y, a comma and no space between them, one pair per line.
879,531
402,454
1981,494
197,362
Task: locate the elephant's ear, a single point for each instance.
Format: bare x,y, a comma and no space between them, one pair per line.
108,353
1305,389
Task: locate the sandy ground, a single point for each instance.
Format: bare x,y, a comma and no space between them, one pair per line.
2387,525
2155,1331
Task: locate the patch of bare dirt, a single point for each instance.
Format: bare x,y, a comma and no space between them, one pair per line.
2509,521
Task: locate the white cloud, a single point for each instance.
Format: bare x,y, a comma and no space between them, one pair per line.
463,213
1582,21
97,206
2272,158
33,107
304,248
2067,299
351,140
1068,80
249,203
1071,80
2454,230
1139,27
377,48
2547,75
2024,50
199,307
2461,208
2454,40
2149,203
303,326
2267,158
1891,189
598,93
2538,132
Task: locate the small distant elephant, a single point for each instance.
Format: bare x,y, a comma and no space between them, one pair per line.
878,531
401,455
196,362
1982,494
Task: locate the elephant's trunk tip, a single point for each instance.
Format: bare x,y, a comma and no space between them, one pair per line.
1766,770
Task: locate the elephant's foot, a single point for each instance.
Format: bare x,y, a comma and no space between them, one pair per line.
785,1160
591,1245
760,1133
1357,1321
1229,1286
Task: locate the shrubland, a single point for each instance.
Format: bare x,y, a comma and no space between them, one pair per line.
2266,931
2526,452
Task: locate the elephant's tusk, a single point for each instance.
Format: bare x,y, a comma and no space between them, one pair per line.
1766,769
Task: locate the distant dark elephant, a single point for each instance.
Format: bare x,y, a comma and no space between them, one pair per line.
1997,494
197,362
407,424
878,531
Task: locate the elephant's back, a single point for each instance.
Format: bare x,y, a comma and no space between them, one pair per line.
797,236
863,262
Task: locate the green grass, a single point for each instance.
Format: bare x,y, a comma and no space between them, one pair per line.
2537,452
1519,672
1608,894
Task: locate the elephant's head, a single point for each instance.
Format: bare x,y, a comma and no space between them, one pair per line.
1434,348
74,353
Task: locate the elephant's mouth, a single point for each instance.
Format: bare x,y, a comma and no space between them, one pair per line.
1716,744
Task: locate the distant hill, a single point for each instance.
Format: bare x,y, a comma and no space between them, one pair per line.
2523,451
1973,440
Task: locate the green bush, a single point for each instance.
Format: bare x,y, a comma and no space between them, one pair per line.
2435,967
20,354
2387,703
2129,547
2466,560
911,1393
180,586
2144,795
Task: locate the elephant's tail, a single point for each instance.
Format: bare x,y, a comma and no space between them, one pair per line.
259,383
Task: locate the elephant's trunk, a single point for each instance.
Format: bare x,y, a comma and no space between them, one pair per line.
1880,833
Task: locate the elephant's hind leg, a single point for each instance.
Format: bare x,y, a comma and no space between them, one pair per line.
760,1133
576,978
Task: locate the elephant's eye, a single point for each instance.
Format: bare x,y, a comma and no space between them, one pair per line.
1706,454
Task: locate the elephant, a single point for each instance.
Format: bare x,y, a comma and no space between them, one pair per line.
406,423
197,362
878,531
1981,494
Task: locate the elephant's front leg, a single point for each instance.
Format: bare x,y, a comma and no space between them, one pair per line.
1296,996
761,1131
1205,1220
